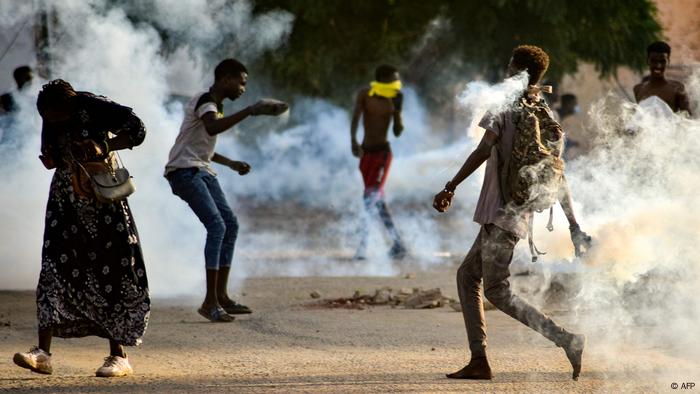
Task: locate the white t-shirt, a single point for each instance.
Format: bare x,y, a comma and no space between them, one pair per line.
194,147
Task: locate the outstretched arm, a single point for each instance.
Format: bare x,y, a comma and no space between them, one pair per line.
239,166
356,115
482,152
215,125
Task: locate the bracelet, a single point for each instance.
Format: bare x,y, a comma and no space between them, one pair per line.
106,147
450,187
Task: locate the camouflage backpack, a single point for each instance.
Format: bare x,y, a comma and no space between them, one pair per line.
531,176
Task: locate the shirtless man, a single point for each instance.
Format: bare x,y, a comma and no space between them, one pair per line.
672,92
377,105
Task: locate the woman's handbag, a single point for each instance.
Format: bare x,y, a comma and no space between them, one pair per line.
107,181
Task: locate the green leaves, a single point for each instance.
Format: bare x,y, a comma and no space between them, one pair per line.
336,44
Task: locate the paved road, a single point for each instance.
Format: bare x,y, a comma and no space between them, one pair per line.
286,346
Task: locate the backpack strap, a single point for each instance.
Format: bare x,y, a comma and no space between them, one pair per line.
550,225
534,252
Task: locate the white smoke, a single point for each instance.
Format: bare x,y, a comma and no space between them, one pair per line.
13,12
636,193
307,166
480,97
97,48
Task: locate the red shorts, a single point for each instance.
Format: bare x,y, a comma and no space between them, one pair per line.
375,169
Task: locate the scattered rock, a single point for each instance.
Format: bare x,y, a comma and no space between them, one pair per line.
4,323
315,294
410,275
431,298
415,298
383,296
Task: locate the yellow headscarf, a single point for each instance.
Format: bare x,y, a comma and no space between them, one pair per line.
388,90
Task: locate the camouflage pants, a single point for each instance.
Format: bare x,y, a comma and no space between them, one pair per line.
489,259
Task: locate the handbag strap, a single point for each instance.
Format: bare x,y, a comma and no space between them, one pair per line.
119,161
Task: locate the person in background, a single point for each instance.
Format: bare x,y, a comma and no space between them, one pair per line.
671,92
8,105
23,77
379,105
577,141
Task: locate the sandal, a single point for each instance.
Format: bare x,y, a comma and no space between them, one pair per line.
216,314
234,308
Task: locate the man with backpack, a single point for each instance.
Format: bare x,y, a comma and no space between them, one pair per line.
524,173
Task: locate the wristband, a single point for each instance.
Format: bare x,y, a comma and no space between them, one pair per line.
450,187
106,148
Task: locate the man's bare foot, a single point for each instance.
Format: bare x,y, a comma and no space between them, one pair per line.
478,368
574,352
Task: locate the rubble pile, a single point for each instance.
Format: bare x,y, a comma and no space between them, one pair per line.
409,298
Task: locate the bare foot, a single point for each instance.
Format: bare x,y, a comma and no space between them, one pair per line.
574,352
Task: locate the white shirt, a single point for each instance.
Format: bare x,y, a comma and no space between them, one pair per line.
194,147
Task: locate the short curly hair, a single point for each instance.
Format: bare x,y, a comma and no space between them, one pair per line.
229,67
384,73
658,47
533,59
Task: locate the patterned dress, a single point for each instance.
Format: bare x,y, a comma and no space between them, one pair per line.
93,278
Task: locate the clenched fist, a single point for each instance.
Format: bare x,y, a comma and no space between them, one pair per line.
443,200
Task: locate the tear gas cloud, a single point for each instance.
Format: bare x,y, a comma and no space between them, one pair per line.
636,193
306,162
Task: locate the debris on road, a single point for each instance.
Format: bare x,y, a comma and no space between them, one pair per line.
415,298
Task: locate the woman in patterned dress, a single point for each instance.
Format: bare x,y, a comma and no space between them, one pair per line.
93,279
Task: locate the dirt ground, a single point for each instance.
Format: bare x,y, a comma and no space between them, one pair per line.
286,346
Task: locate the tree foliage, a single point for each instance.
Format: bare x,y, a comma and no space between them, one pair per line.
335,44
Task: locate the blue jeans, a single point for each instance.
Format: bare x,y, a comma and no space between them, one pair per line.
201,191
